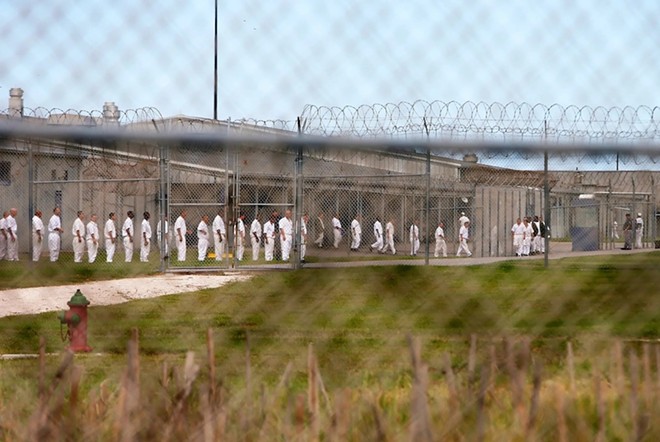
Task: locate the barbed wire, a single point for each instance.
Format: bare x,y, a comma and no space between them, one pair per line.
79,117
480,120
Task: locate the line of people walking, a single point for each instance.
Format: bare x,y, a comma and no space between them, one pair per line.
528,235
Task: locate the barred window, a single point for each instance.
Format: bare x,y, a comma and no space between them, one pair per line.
5,173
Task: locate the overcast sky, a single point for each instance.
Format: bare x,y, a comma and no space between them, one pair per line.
277,56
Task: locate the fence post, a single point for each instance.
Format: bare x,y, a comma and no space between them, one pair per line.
427,204
297,201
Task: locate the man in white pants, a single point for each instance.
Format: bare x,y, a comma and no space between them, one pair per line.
12,232
110,235
166,239
202,238
517,234
180,232
92,237
639,231
378,235
255,236
78,232
303,237
240,237
463,236
145,244
356,233
37,236
336,230
3,235
527,236
269,238
440,243
54,232
286,234
389,238
414,239
219,235
127,233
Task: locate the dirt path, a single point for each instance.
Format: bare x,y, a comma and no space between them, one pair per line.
45,299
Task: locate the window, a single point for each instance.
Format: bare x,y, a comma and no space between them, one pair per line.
5,173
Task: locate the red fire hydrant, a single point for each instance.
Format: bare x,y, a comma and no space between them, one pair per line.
76,320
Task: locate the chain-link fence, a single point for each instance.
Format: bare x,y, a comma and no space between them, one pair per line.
252,193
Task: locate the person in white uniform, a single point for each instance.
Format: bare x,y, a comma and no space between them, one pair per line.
356,233
255,236
202,238
303,237
3,235
37,235
527,236
336,230
240,237
12,235
127,233
440,242
269,238
145,244
92,238
286,234
463,237
78,232
180,232
159,237
639,231
517,234
389,238
414,239
54,234
110,235
462,220
378,235
219,235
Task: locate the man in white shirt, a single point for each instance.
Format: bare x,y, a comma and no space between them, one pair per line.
639,231
92,238
219,236
303,237
336,230
145,244
378,234
255,236
37,236
54,234
180,232
389,238
127,232
414,239
159,237
286,234
269,238
202,238
517,234
3,235
356,233
78,232
110,235
527,237
440,243
12,239
240,237
463,236
462,220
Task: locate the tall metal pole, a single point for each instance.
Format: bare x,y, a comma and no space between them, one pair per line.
215,63
428,201
298,201
546,197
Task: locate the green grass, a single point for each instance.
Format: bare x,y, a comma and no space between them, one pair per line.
361,316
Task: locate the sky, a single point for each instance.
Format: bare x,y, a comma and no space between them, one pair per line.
276,56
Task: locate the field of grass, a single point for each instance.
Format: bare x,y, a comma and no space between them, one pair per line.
480,335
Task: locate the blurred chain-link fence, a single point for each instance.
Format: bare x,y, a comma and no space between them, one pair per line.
246,193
